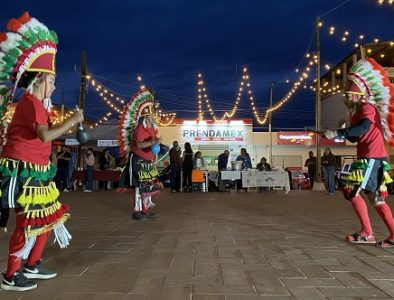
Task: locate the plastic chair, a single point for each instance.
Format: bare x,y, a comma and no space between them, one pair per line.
198,178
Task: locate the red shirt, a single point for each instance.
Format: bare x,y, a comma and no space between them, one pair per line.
142,134
22,142
371,144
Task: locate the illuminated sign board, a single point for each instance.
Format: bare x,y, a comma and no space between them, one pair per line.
232,131
107,143
305,138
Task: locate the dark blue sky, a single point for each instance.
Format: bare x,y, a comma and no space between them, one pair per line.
169,42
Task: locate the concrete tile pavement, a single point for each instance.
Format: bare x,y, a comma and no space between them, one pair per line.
214,246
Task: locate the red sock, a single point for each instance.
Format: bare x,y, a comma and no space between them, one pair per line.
361,210
385,213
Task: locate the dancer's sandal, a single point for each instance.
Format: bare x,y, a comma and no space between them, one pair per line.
357,238
387,243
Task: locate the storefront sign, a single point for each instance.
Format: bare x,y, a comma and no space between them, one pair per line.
215,132
305,138
71,142
107,143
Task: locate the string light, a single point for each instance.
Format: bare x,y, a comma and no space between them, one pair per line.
245,86
382,2
101,120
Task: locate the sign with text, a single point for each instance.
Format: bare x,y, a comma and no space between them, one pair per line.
107,143
305,138
215,132
71,142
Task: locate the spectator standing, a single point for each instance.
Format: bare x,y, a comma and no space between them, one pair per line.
246,164
63,159
310,163
175,166
328,163
89,163
104,165
222,166
187,166
72,165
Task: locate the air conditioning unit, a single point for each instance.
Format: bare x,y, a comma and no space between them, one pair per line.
213,147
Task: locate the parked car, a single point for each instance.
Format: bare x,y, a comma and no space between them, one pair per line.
298,178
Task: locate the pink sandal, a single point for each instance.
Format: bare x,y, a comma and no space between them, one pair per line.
387,243
357,238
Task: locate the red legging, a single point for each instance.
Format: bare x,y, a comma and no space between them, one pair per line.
17,242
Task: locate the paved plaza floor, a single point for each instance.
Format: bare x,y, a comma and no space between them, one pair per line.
214,246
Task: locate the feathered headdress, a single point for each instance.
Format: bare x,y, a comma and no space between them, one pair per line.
28,49
141,104
368,78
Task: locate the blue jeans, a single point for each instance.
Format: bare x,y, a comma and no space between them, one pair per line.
175,178
70,172
311,175
89,177
329,178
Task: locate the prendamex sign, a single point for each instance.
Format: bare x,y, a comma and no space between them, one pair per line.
214,134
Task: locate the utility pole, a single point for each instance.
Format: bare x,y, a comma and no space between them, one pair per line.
318,185
270,124
82,88
62,103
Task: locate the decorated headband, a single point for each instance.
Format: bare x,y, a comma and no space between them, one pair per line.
370,79
141,104
26,50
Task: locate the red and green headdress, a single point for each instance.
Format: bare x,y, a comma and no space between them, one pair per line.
370,79
27,49
141,104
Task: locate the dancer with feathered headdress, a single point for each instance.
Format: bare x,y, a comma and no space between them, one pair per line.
370,100
27,61
138,142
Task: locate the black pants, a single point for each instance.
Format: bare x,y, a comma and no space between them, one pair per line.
62,178
187,176
4,215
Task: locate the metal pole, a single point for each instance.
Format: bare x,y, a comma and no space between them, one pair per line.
82,95
270,124
318,103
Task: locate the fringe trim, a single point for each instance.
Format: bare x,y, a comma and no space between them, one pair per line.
25,251
42,213
38,172
62,236
38,195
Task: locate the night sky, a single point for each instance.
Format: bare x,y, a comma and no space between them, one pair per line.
169,42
